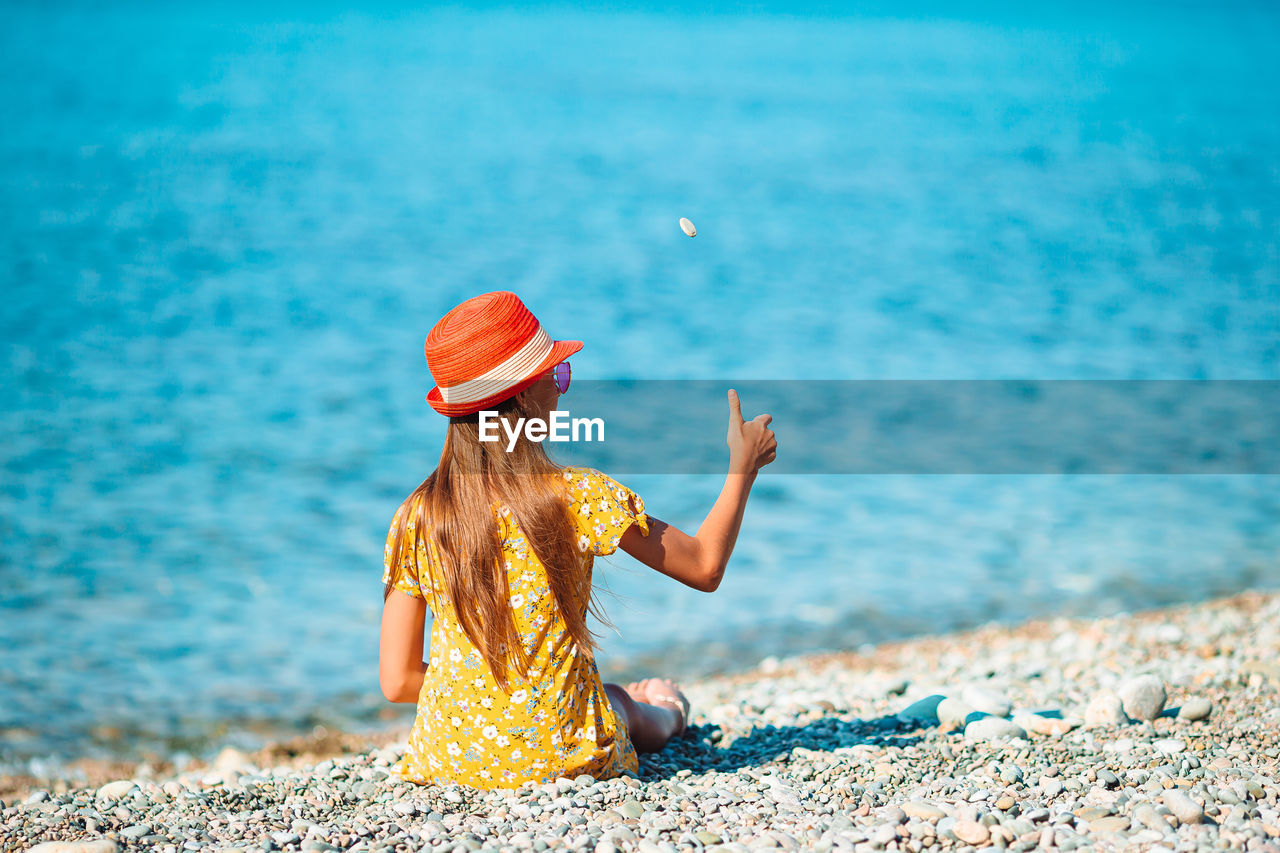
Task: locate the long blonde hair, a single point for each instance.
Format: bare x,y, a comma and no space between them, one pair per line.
453,509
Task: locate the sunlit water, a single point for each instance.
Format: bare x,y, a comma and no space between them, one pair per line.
224,236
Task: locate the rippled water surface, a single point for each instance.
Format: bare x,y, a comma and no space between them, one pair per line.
225,232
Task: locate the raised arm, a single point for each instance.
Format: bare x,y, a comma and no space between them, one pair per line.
699,561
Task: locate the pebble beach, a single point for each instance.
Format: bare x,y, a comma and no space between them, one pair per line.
1146,731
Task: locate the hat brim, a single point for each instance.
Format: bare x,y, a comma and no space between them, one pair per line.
560,350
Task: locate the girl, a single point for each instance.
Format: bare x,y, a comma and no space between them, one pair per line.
500,545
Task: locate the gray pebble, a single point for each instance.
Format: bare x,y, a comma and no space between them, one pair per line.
315,845
1010,775
1195,708
1145,814
631,809
893,815
1143,697
884,834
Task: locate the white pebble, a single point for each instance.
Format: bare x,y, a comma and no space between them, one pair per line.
952,713
96,845
1104,709
1185,809
115,790
986,700
993,728
1195,708
687,227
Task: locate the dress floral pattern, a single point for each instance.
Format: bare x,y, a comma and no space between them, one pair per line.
558,721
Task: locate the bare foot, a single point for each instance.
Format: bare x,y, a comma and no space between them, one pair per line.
666,693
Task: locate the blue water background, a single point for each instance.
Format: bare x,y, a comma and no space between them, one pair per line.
226,229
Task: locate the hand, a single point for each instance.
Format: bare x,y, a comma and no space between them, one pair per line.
751,443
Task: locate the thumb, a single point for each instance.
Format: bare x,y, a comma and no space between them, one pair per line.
735,409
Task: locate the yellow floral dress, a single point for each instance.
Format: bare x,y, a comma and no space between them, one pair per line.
558,721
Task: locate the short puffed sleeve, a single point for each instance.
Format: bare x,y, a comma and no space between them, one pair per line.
416,577
602,510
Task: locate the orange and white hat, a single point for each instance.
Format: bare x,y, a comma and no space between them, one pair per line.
486,350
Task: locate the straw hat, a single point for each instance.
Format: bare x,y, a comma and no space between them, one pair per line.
486,350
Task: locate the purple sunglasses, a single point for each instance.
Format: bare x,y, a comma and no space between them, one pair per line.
562,374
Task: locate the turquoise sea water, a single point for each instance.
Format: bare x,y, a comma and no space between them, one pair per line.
225,232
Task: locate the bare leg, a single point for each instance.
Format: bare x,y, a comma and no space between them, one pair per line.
653,710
